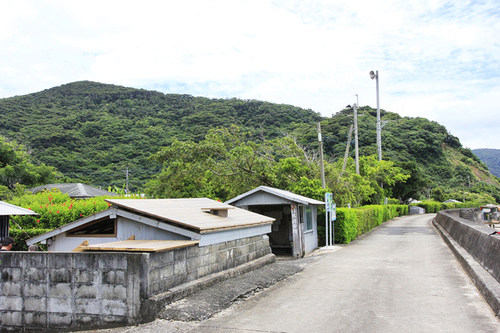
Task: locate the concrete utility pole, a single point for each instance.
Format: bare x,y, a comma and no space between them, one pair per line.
379,128
320,140
347,148
356,137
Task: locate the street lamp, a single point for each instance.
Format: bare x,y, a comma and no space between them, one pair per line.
374,75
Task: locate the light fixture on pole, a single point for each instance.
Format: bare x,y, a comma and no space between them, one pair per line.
374,75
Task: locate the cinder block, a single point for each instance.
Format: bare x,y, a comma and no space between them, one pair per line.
35,289
37,319
62,305
85,321
57,320
179,279
35,274
221,256
11,289
11,259
113,260
191,276
11,318
192,251
204,250
86,276
165,284
204,261
252,256
166,272
60,290
237,252
179,254
114,277
88,306
180,267
35,259
221,247
87,261
192,264
161,258
85,291
59,275
114,308
11,274
9,303
213,257
154,275
203,271
35,304
114,320
60,260
111,292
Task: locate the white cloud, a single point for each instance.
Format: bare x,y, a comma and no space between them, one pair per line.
437,59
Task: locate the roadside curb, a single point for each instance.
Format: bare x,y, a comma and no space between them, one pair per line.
152,306
487,285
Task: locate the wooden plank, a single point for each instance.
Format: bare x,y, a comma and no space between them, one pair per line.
140,245
81,247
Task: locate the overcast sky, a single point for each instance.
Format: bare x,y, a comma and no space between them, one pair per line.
436,59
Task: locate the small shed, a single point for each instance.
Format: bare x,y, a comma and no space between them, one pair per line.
198,219
295,229
7,210
74,190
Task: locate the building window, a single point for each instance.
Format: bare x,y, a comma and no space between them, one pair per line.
308,218
101,228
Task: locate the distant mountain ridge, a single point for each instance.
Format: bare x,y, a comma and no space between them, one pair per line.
490,157
103,134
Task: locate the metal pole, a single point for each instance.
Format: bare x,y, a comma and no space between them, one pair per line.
379,129
356,137
327,233
321,156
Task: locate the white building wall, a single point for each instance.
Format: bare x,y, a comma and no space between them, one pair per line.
311,237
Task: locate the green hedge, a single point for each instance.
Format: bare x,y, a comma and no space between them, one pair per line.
351,223
435,206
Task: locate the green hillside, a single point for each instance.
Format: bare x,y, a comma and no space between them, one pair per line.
490,157
94,133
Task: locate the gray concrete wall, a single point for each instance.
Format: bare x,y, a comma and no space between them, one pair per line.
47,291
473,237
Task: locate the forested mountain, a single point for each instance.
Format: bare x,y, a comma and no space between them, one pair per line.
490,157
94,133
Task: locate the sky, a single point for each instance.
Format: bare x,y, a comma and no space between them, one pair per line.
436,59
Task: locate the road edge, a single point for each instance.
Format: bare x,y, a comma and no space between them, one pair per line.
484,282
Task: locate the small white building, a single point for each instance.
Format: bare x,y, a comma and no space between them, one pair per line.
295,229
198,219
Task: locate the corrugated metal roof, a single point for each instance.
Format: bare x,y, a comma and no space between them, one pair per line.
193,213
280,193
8,209
75,190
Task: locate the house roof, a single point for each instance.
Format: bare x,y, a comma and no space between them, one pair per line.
173,215
8,209
279,193
193,213
75,190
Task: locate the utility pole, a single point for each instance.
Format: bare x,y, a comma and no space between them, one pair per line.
320,140
356,137
379,127
126,178
347,148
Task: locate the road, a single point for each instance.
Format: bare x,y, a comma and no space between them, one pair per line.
401,277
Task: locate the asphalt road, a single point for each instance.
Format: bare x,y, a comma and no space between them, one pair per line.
401,277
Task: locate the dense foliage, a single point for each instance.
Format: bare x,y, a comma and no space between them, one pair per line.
490,157
93,132
101,134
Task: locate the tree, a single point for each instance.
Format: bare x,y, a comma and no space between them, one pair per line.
17,169
412,188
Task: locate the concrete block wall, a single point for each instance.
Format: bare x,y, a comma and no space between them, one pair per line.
172,268
45,291
474,238
69,291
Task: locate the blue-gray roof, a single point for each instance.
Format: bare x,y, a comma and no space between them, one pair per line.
75,190
279,193
8,209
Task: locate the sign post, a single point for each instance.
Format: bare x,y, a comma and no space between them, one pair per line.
331,215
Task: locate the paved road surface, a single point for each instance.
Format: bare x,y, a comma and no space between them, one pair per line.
399,278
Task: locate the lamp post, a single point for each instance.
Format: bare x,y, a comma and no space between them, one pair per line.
374,75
